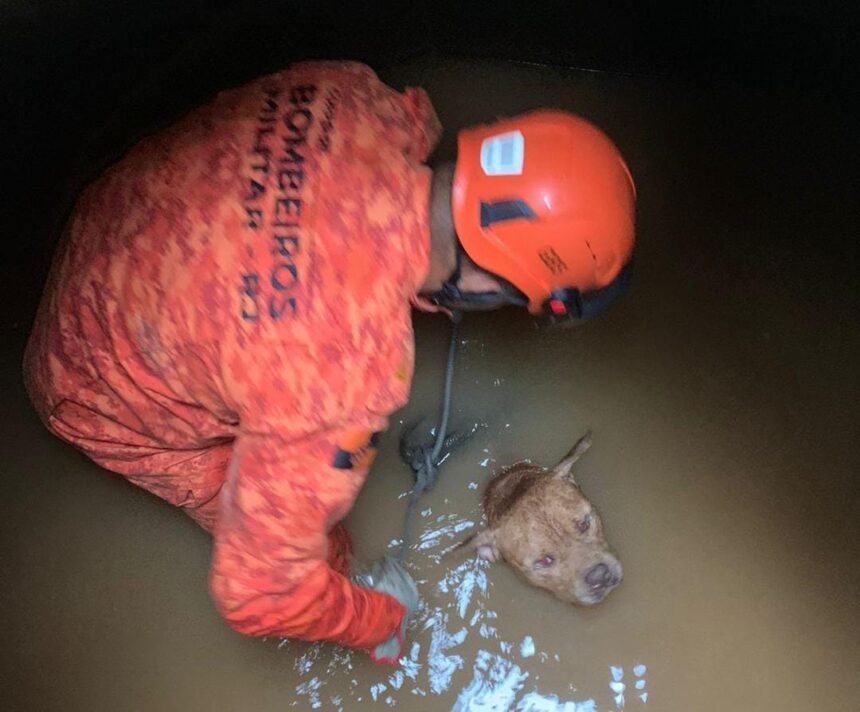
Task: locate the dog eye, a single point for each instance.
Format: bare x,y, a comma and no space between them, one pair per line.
584,524
544,562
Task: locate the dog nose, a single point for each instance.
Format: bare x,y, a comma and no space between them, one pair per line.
599,577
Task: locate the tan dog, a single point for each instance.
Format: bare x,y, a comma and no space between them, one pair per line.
541,523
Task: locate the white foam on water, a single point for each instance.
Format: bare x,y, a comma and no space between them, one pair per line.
535,702
527,647
441,666
455,606
311,689
306,660
410,665
617,687
340,661
433,537
375,690
463,581
496,683
494,686
488,631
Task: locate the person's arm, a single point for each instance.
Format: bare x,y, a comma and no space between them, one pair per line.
269,572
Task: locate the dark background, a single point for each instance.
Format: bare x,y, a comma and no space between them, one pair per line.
81,79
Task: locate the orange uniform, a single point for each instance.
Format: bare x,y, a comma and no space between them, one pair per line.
227,324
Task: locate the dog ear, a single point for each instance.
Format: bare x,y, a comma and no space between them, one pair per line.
485,544
564,468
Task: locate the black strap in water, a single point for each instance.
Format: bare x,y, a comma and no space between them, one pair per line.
425,461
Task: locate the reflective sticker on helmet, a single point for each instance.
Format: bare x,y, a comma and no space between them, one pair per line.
502,155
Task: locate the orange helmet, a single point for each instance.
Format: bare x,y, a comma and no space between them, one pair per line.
545,201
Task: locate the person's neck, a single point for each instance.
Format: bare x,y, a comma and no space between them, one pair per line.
443,237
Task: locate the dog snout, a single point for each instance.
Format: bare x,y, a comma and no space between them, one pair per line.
598,576
601,579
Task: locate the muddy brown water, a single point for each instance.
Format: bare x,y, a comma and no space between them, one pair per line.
722,393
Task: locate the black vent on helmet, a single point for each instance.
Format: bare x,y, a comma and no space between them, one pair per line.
505,210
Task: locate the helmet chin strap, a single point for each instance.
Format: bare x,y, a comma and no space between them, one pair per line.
452,297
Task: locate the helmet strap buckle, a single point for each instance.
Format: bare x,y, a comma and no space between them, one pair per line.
451,296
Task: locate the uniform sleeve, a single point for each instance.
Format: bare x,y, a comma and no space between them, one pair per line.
270,574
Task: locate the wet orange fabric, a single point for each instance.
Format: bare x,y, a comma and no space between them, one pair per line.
227,323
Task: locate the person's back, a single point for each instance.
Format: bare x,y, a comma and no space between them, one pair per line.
257,222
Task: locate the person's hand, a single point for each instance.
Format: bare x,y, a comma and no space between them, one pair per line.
389,576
